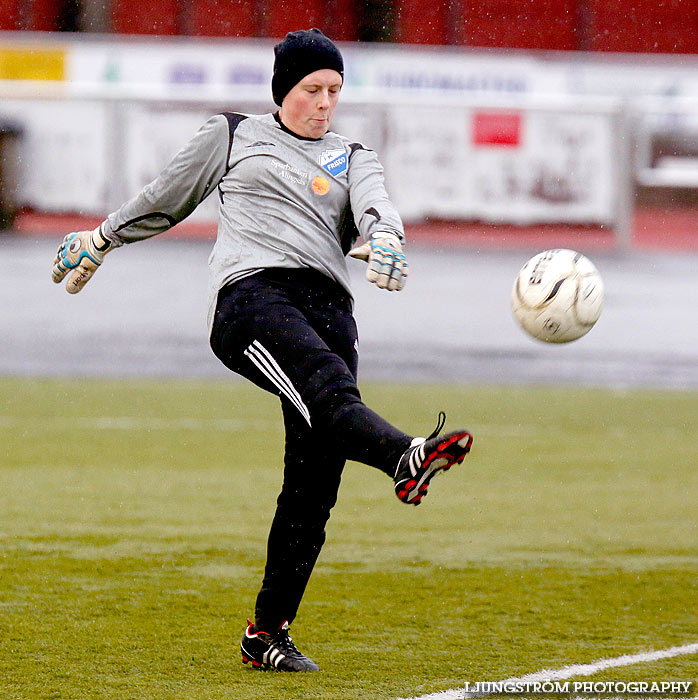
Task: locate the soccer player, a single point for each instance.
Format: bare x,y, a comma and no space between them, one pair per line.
294,197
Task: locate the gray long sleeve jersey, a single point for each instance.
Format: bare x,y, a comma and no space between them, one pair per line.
285,201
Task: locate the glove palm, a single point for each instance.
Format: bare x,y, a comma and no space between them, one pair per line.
80,253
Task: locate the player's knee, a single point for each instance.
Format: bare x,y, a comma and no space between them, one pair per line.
329,390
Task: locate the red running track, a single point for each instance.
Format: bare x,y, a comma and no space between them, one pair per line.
653,229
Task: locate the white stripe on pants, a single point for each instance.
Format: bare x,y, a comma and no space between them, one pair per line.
266,364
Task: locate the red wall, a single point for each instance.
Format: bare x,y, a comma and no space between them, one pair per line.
9,15
669,26
341,17
287,16
655,26
661,26
520,24
145,16
37,15
222,18
420,22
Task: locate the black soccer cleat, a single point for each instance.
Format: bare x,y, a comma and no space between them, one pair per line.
277,651
426,458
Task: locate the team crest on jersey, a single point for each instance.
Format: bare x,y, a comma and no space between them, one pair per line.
334,161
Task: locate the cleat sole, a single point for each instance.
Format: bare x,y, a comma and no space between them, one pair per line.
450,451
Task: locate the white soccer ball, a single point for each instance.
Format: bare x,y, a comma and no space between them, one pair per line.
557,296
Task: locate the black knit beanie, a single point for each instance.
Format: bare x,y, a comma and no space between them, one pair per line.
299,54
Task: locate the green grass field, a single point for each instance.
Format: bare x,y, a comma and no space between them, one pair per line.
133,520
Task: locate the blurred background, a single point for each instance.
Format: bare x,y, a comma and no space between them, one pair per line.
505,127
645,26
569,112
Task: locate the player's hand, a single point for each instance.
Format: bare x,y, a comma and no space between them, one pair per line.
81,254
387,264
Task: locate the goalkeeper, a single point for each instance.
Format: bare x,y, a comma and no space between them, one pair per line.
294,200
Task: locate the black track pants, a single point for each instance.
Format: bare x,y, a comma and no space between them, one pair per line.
292,333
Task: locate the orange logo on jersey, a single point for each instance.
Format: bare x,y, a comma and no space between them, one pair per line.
320,185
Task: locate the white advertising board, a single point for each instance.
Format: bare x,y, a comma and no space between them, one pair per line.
66,164
130,104
516,166
512,165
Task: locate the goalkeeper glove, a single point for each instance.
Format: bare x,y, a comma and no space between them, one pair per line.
82,253
387,264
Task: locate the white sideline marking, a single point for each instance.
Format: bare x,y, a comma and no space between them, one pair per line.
566,672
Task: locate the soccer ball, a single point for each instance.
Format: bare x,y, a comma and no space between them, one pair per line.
557,296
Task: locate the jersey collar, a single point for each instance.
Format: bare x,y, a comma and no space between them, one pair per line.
293,133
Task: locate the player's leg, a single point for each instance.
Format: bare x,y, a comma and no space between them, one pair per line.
276,329
269,330
309,492
311,482
312,475
289,340
425,457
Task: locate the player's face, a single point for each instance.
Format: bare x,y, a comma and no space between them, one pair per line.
308,107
